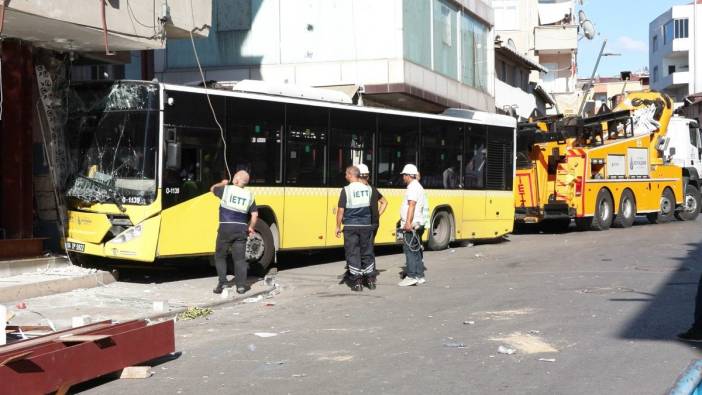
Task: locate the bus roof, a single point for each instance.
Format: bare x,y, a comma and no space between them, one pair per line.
464,116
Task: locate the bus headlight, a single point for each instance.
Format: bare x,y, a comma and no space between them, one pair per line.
127,235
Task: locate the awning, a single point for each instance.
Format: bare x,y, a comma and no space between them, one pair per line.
519,58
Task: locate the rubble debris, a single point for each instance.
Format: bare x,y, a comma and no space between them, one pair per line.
136,372
160,306
547,359
265,334
454,345
506,350
80,320
194,312
254,299
252,347
21,305
468,322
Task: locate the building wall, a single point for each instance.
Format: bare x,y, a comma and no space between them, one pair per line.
342,42
671,59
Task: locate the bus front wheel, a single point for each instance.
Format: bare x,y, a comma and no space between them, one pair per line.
439,231
260,249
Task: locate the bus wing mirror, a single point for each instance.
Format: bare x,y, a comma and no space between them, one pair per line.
173,156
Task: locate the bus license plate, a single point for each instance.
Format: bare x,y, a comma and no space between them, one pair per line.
78,247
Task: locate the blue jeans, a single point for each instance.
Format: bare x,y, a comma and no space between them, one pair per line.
414,254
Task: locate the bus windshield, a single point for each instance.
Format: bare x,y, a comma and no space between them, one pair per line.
116,130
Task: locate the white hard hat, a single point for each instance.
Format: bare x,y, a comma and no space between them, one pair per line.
363,169
410,170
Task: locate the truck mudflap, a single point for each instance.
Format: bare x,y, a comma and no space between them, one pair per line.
557,210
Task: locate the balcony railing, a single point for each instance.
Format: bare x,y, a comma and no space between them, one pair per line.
555,39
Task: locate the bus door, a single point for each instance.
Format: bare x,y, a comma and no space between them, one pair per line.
305,213
474,168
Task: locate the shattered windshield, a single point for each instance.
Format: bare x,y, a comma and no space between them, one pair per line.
115,132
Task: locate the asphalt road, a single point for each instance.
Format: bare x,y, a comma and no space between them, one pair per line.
585,312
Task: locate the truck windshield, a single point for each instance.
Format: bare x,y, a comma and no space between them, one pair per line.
114,131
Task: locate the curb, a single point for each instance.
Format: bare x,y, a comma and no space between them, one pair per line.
21,266
174,313
14,293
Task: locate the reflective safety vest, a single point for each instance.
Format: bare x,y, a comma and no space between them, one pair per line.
235,205
358,198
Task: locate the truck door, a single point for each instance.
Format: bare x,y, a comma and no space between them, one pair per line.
696,147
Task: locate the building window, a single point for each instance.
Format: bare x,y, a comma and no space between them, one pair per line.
668,32
506,14
654,43
445,30
474,49
681,28
655,74
671,69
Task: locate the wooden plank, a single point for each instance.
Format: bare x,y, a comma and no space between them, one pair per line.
81,338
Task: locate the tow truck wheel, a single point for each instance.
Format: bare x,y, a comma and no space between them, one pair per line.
691,207
604,211
627,211
666,211
440,231
260,249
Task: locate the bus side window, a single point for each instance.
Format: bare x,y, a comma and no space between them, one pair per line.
441,154
475,156
254,130
307,129
351,143
397,146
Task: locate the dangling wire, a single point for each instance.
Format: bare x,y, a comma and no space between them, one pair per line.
207,92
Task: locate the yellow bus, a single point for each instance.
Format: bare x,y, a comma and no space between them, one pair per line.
150,152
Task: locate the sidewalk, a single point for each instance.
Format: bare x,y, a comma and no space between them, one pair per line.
120,301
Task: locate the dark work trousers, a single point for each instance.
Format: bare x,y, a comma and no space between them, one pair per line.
358,245
697,325
414,254
237,241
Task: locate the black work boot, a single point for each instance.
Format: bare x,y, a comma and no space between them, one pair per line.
357,284
218,289
370,283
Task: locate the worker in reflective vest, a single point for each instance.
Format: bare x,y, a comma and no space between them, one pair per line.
237,221
354,212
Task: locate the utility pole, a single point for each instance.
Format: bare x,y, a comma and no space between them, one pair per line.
592,78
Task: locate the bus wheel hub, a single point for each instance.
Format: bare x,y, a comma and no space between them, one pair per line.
254,248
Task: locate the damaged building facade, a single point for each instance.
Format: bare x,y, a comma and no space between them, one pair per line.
39,49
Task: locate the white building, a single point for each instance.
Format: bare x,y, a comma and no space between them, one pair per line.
675,58
423,55
546,33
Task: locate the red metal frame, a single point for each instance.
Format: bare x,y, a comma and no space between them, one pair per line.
52,362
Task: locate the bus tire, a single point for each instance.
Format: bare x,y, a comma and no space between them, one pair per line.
439,231
666,212
626,215
691,206
260,249
604,211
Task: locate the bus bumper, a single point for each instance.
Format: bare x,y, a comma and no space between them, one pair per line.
136,243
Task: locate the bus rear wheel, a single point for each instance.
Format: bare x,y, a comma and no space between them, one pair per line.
691,207
627,211
666,212
439,231
260,249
